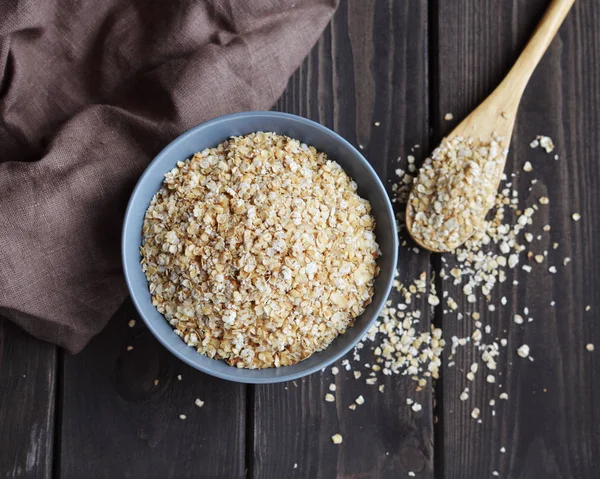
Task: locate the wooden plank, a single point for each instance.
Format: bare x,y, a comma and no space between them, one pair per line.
27,403
369,66
116,422
549,425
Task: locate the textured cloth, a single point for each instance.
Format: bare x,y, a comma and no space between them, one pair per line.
90,91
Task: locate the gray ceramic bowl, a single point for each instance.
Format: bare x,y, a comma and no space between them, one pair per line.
211,134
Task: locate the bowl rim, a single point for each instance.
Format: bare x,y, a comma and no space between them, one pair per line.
127,220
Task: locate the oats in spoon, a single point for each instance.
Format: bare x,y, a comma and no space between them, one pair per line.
455,189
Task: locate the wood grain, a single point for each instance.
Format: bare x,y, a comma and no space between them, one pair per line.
27,404
549,426
116,422
369,66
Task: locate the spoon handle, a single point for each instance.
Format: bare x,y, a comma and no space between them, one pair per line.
516,80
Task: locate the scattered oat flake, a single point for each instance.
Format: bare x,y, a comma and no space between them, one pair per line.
179,377
433,300
182,416
332,387
589,347
199,403
156,382
335,370
448,116
329,397
131,323
576,216
475,413
360,400
411,474
523,351
377,123
416,407
527,167
336,439
588,307
546,143
129,348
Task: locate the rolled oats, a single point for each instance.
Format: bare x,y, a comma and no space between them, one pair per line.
455,189
259,251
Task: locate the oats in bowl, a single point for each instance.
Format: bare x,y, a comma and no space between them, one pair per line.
259,251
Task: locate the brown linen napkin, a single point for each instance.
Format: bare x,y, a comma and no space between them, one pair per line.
90,91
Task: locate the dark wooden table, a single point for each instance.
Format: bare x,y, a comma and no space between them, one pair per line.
403,64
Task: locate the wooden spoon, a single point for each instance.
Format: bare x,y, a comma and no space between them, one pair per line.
496,115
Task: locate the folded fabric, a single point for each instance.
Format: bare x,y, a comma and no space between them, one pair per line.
89,92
